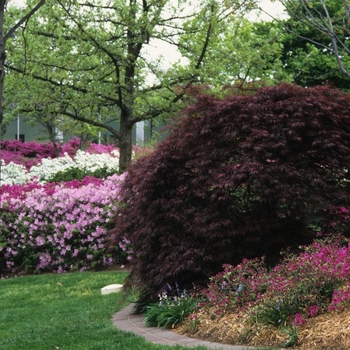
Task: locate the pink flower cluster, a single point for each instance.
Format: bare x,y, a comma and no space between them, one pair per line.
31,153
299,320
313,278
20,191
94,148
57,227
340,298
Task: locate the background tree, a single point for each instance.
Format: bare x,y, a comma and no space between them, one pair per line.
5,35
324,23
304,63
238,177
243,53
93,57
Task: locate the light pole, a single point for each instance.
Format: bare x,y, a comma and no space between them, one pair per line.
140,133
18,128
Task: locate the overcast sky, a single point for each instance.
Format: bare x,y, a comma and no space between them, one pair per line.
273,8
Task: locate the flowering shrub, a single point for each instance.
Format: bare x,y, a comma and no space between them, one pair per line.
95,148
21,190
13,173
340,298
85,162
301,286
22,161
6,157
138,152
31,153
58,227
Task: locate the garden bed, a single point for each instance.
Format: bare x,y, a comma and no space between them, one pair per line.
329,331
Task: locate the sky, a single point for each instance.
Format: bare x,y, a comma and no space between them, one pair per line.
273,8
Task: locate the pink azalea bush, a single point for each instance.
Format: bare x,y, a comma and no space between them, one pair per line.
31,153
340,298
58,228
48,226
95,148
301,286
21,190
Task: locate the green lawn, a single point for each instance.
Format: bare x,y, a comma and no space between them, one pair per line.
65,311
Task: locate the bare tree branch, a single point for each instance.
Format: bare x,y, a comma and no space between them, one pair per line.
76,116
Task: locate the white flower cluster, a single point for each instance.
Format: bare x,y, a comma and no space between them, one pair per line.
50,167
94,162
17,174
12,173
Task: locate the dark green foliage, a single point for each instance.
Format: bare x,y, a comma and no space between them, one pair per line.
240,177
71,174
28,259
172,308
279,313
170,314
309,63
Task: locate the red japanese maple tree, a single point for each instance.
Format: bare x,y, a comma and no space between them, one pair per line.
238,177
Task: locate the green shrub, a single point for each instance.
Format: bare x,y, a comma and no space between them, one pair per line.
71,174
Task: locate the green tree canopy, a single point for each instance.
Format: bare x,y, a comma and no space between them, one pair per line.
7,30
303,62
91,61
321,43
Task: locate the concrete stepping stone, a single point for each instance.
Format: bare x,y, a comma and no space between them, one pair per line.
112,288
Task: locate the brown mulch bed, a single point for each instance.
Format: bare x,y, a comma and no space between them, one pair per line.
329,331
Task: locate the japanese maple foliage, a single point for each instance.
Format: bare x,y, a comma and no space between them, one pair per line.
238,177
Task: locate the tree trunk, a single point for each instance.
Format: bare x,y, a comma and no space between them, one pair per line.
2,57
2,71
125,145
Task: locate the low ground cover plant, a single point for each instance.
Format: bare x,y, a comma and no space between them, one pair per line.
302,286
171,309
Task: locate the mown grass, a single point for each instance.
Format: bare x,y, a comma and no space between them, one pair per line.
65,311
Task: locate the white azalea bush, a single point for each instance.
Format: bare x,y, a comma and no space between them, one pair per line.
83,161
12,173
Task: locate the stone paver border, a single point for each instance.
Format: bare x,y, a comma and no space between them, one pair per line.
126,320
